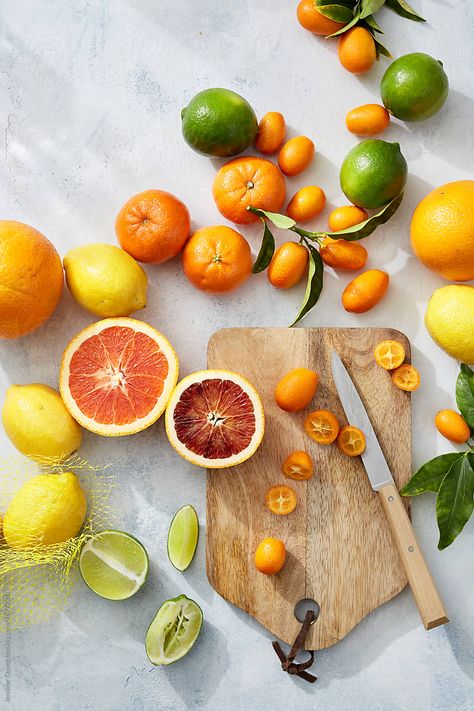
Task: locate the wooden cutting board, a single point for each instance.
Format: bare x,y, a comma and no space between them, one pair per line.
339,547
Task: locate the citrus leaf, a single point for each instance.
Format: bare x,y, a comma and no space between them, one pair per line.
266,250
370,7
364,229
402,8
338,13
350,24
314,284
380,49
430,475
371,22
465,394
455,501
281,221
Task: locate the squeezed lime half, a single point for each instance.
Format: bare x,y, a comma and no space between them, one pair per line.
114,564
173,631
183,537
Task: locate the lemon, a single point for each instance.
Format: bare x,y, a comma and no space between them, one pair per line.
49,508
37,422
105,280
449,319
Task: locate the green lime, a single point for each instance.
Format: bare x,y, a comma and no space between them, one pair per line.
219,122
183,537
173,631
113,564
373,173
414,87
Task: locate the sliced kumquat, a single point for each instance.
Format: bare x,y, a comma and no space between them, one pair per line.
322,426
351,441
298,466
406,377
389,354
281,500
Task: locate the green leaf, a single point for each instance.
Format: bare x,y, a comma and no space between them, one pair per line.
380,49
430,475
455,501
266,252
281,221
402,8
339,13
364,229
370,7
371,22
314,284
350,24
465,394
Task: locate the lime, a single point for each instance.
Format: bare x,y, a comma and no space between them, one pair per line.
414,87
373,173
183,537
114,564
219,122
173,631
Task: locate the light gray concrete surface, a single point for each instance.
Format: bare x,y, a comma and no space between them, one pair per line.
91,94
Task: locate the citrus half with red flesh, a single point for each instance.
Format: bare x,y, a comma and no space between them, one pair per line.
117,376
215,419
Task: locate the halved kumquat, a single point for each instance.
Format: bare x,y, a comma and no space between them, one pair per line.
298,466
351,441
322,426
406,377
389,354
281,500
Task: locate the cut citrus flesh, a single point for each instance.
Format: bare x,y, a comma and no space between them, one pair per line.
113,564
281,500
406,377
117,376
351,441
173,631
322,426
298,466
389,354
183,537
215,419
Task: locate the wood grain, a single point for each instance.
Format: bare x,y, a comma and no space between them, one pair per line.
340,551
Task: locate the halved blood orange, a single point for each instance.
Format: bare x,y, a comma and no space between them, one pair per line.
215,419
117,376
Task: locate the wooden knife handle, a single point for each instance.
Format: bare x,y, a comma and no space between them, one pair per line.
424,591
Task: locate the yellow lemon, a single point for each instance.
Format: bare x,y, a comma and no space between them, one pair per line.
105,280
49,508
37,422
449,319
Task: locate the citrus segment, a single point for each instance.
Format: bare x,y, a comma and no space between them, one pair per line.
183,537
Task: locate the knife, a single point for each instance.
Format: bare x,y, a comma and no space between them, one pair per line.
424,591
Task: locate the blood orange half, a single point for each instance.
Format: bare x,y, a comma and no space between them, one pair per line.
215,419
117,376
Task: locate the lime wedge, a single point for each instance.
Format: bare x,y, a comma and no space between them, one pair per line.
183,537
114,564
173,631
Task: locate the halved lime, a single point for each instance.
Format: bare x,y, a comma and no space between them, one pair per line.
183,537
173,631
114,564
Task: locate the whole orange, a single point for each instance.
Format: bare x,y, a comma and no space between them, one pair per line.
346,216
312,20
306,203
217,259
31,279
153,226
296,389
271,132
248,181
288,265
296,155
442,231
270,556
365,291
356,50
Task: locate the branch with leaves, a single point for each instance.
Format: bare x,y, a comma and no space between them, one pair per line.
451,476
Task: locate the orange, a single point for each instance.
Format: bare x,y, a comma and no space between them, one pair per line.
31,279
296,389
406,377
365,291
271,133
312,20
298,465
288,265
347,216
341,254
217,259
153,226
351,441
322,426
248,181
389,354
452,426
296,155
356,50
270,556
442,231
281,500
367,120
306,203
